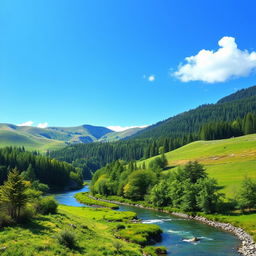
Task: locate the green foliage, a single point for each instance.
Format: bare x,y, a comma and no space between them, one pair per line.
158,163
48,171
13,194
208,198
29,174
223,130
40,186
188,189
47,205
249,125
159,194
247,194
67,238
139,183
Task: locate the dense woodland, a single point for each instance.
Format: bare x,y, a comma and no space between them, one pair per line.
223,130
35,167
191,121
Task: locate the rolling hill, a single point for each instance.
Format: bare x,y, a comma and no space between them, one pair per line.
228,160
114,136
53,138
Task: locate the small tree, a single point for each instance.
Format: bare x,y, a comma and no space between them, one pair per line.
247,194
208,198
13,194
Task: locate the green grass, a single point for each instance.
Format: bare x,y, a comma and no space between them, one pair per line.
140,233
30,142
96,232
83,197
229,160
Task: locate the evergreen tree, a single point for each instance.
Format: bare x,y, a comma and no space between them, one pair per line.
12,194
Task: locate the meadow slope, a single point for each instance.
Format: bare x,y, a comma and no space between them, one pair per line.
228,160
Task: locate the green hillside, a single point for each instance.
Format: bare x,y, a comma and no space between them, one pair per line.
227,109
30,142
54,138
229,160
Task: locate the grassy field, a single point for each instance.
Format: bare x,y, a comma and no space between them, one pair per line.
95,230
83,197
229,160
30,142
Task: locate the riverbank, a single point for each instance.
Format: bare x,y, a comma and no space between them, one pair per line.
94,232
248,246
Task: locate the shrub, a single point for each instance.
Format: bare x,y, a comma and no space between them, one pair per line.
67,238
118,246
47,205
120,226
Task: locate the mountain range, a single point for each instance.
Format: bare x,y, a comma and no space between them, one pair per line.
57,137
229,108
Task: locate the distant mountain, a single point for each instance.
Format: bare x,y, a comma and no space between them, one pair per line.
114,136
57,137
229,108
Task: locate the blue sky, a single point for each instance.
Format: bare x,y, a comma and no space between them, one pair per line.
68,63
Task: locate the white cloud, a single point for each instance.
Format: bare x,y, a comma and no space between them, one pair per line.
28,123
217,66
151,78
118,128
42,125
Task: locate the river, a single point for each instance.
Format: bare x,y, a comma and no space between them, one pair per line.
213,242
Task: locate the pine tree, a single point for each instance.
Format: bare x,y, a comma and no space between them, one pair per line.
12,194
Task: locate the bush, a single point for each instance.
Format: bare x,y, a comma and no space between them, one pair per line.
47,205
120,226
67,238
118,246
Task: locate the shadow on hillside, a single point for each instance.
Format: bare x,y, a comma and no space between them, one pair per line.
35,227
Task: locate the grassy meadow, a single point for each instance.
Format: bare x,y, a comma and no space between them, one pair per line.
229,160
30,142
96,231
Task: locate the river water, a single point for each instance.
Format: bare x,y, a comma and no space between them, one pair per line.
213,242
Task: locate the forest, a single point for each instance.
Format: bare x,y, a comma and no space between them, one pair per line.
38,168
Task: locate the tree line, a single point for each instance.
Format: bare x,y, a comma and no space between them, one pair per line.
188,188
191,121
223,130
38,168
